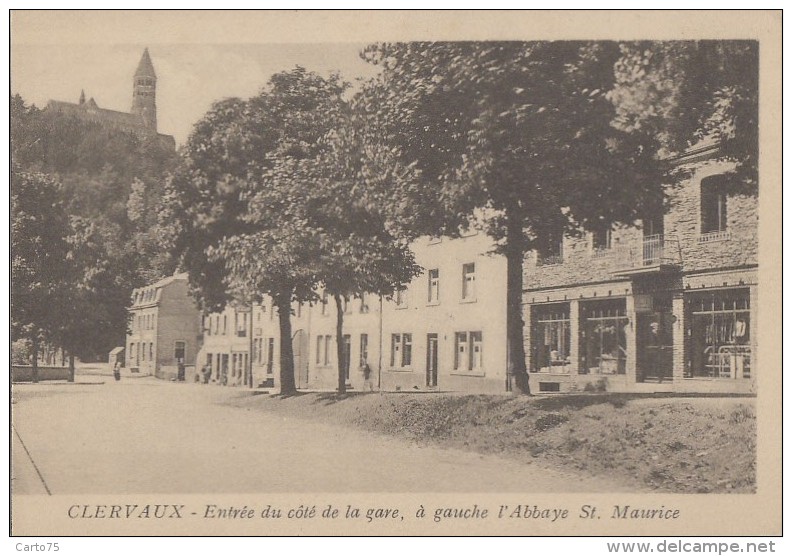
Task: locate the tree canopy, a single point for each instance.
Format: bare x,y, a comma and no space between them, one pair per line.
103,197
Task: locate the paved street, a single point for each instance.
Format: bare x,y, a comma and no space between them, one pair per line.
143,435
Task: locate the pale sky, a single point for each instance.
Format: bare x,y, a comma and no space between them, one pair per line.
189,77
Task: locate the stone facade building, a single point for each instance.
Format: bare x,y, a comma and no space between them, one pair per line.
669,305
140,120
164,328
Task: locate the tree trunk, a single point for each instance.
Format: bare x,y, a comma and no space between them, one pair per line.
287,383
34,350
515,254
340,344
71,367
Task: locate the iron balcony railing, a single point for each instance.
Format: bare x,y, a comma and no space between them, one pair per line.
652,251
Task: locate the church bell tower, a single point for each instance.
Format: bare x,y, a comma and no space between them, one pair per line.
144,92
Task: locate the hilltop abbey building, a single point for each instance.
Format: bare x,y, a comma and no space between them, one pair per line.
142,117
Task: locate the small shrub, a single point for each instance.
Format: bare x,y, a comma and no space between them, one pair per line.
741,414
547,422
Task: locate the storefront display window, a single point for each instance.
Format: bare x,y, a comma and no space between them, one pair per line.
550,338
719,334
603,337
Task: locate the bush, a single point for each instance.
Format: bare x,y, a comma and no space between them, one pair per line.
20,352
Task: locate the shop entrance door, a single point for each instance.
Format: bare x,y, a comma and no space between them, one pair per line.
654,338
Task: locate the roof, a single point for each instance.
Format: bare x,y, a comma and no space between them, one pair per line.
168,280
116,350
145,67
90,110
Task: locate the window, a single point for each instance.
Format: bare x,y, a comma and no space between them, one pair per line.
601,239
406,350
719,334
178,351
132,354
604,338
550,338
327,342
225,324
151,351
324,303
469,281
240,322
401,350
363,349
143,351
401,299
346,353
364,307
468,351
475,351
299,310
323,346
551,253
270,354
713,205
395,349
345,306
434,286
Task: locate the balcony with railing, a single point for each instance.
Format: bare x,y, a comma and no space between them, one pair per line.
653,254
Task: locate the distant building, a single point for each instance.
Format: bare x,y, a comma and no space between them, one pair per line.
141,119
669,305
164,328
226,346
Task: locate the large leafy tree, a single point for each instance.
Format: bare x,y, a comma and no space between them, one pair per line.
39,232
513,137
242,201
689,92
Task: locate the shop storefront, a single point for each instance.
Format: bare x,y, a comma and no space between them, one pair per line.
603,338
550,338
718,334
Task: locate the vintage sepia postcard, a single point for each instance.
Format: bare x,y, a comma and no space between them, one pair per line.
395,273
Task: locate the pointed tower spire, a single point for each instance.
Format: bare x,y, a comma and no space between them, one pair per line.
144,92
82,96
145,67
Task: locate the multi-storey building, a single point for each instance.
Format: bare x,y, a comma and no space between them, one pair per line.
664,306
446,330
163,328
227,340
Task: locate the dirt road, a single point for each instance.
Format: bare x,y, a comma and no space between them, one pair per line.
144,435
